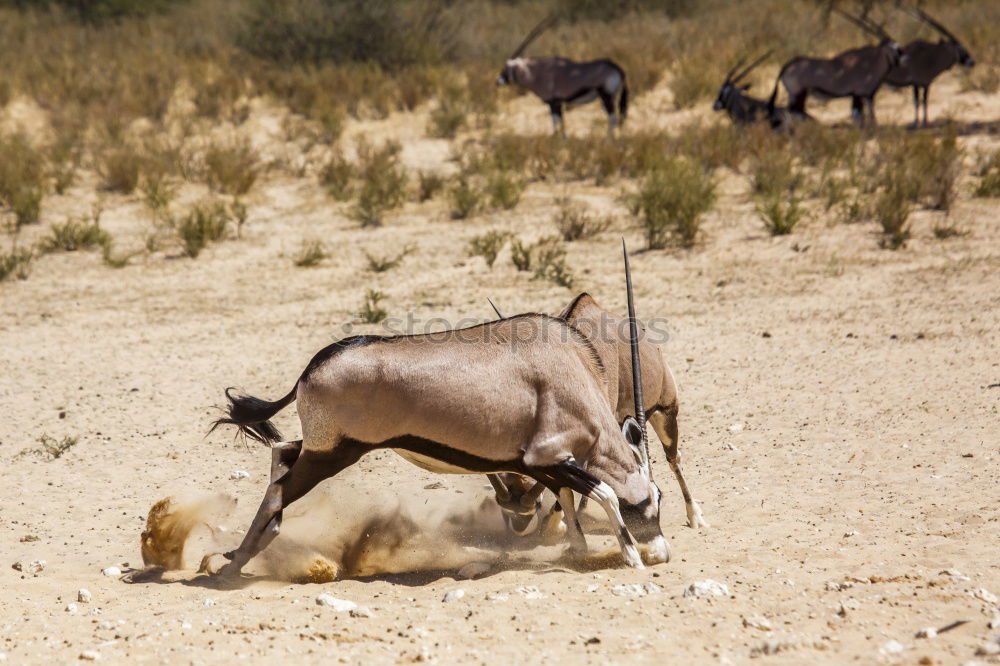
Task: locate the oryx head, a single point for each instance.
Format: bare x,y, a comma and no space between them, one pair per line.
640,500
962,56
733,86
507,74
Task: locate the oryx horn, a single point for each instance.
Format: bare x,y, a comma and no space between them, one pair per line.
925,17
749,68
495,308
640,412
542,26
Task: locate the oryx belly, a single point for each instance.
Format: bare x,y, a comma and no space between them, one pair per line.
584,98
432,464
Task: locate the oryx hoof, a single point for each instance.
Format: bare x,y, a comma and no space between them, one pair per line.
213,563
519,524
656,551
632,558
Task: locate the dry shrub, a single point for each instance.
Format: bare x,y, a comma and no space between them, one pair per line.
76,234
22,178
545,258
232,168
936,162
488,245
379,264
383,183
371,310
671,201
448,117
504,189
466,199
310,253
777,187
429,183
120,168
575,222
336,176
989,177
16,263
206,222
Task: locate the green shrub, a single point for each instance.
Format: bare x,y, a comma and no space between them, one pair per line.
780,212
575,222
504,189
545,258
336,176
776,185
383,183
488,245
75,235
671,202
465,199
310,253
371,311
447,118
205,222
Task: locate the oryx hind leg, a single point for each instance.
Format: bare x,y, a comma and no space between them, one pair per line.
292,476
664,422
577,542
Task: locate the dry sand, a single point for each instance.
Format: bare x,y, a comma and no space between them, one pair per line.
839,425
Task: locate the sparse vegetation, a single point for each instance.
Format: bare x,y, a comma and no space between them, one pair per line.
371,311
22,178
448,117
545,258
488,245
336,176
989,177
504,189
465,198
429,184
777,186
51,448
378,264
206,222
383,183
119,168
311,253
16,263
671,201
575,222
76,234
232,168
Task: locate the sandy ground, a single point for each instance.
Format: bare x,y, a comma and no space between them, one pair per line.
839,425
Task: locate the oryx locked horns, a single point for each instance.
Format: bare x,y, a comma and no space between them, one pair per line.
523,395
742,108
857,73
562,83
925,61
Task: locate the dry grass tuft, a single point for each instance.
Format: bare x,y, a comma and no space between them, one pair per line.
488,245
310,254
671,201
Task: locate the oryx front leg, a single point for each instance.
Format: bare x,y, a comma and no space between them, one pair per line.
577,542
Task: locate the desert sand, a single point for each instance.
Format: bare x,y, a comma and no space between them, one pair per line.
839,426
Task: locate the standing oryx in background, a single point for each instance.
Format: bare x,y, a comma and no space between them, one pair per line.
925,61
525,395
857,73
561,82
741,108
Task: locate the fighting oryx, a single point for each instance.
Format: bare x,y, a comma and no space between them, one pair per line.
741,108
562,83
517,496
525,395
925,61
857,73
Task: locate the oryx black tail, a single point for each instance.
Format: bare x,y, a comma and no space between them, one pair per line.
252,415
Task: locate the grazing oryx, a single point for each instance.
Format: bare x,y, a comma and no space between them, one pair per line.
925,61
524,395
741,108
857,73
560,82
605,331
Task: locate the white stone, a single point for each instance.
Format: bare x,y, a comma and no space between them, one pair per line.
707,588
892,647
593,587
453,595
954,574
736,427
530,592
339,605
239,474
105,625
111,571
90,655
474,570
985,595
757,622
652,588
927,632
496,596
71,607
988,649
208,602
84,596
361,611
995,622
630,590
850,533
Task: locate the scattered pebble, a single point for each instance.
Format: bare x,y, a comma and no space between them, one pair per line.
530,592
90,655
736,427
630,590
995,622
593,587
474,570
954,575
707,588
757,622
496,596
105,625
239,474
339,605
928,632
892,647
985,595
849,534
111,571
84,596
71,607
453,595
361,611
989,648
30,568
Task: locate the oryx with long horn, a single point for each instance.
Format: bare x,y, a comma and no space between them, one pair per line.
857,73
741,108
563,83
524,394
925,61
